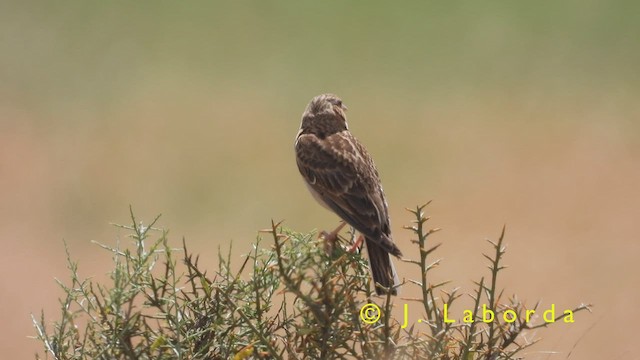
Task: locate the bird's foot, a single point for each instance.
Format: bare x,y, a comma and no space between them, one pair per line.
357,244
330,239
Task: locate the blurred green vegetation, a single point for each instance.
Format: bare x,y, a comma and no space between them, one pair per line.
56,54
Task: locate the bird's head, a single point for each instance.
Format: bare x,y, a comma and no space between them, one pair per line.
325,115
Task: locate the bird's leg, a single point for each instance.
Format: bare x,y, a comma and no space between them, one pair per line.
352,232
331,238
356,245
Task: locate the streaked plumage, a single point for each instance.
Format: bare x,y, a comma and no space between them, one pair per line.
342,177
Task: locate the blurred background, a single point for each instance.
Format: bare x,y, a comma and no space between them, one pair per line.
524,114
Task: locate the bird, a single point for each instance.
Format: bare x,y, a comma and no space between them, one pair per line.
342,177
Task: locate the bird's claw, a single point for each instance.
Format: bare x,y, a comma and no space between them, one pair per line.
331,238
357,244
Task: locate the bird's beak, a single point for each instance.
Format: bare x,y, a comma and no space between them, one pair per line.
344,107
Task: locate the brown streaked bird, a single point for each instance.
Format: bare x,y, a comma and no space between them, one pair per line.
342,177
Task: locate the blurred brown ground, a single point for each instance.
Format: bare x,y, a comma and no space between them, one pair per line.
521,114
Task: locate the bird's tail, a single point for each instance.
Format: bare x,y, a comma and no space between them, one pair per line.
382,269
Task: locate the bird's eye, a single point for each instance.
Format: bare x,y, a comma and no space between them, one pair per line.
339,103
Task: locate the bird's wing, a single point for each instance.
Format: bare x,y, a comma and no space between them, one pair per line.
342,173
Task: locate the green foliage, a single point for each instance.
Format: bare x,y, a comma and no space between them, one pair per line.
296,299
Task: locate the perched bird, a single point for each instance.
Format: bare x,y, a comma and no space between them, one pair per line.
342,177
